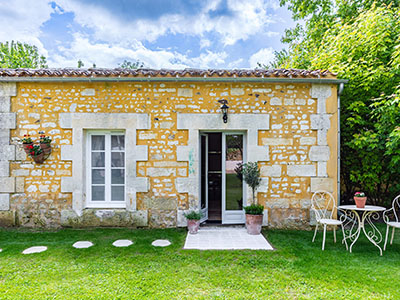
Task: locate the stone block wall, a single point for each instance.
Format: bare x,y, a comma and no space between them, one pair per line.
294,140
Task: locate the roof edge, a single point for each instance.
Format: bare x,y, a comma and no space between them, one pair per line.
174,79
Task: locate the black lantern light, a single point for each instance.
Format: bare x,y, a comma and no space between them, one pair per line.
224,110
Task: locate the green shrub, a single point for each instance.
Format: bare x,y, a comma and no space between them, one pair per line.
254,209
193,215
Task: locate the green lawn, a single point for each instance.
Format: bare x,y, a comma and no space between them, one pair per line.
298,269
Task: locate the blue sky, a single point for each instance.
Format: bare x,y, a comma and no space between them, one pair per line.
159,33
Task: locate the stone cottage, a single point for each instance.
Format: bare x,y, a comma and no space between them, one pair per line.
141,147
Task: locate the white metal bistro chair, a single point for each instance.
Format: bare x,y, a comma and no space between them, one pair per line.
391,218
324,206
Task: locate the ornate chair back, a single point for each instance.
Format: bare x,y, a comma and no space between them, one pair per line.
323,204
393,213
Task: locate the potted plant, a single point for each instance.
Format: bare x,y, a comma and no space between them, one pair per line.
254,212
360,199
26,142
193,221
45,144
36,153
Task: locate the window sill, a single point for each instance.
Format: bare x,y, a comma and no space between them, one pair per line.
106,205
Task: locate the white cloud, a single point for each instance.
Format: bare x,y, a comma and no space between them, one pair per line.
21,21
205,43
248,18
263,56
110,55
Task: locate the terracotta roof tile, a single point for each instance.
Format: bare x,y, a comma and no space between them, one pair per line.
69,72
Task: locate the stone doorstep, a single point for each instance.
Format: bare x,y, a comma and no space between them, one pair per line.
226,238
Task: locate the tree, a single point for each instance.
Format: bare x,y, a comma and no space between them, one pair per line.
131,65
80,64
20,55
320,16
363,48
251,175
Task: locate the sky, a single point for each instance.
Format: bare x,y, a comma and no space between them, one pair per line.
171,34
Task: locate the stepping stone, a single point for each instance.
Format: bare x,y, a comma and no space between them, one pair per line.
36,249
122,243
161,243
82,244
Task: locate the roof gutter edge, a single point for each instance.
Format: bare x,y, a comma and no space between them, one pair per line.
172,79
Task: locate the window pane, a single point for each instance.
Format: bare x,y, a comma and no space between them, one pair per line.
117,193
98,193
117,159
98,159
98,176
98,142
117,176
117,142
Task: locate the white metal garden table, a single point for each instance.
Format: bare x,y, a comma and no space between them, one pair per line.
356,221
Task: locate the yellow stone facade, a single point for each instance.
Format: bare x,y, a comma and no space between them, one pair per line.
37,198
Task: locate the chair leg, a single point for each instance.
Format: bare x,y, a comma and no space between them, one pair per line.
391,240
334,234
344,238
315,232
386,237
323,239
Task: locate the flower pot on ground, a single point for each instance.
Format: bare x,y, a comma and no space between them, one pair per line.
193,221
254,212
254,218
360,199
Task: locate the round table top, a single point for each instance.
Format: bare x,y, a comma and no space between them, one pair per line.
366,208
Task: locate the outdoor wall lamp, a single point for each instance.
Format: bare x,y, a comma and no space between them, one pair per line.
224,110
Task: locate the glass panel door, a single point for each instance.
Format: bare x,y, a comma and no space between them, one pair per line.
233,186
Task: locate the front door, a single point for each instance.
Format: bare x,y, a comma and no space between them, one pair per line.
222,189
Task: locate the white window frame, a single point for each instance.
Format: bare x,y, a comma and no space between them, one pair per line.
107,203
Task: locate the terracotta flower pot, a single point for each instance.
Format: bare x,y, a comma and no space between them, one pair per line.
254,224
39,159
360,201
193,226
46,148
26,147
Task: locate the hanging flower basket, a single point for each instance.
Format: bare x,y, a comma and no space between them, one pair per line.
37,154
27,147
27,142
46,148
39,159
45,144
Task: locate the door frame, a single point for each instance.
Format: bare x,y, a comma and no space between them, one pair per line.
233,217
204,210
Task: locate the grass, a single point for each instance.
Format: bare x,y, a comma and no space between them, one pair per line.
297,269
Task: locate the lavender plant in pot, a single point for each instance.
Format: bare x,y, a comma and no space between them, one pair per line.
254,211
193,221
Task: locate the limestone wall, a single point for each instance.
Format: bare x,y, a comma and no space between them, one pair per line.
294,132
